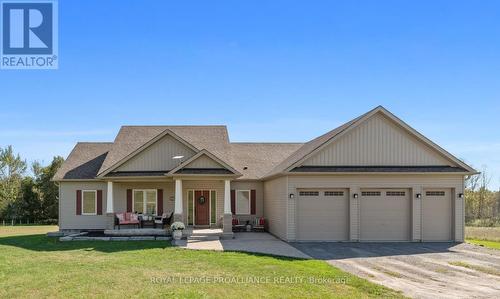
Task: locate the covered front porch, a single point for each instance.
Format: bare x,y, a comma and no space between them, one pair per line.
197,201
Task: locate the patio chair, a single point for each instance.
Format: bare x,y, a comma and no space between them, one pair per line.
127,219
237,225
259,224
163,219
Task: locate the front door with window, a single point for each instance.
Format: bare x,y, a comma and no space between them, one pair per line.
202,207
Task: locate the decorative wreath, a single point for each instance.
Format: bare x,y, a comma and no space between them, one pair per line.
201,199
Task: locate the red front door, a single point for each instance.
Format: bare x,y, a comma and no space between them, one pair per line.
201,207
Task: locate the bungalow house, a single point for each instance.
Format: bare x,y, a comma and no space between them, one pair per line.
373,178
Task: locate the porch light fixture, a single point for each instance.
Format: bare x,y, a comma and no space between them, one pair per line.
291,195
177,157
460,195
419,195
355,195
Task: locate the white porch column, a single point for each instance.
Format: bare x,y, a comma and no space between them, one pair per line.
227,197
227,222
109,199
178,200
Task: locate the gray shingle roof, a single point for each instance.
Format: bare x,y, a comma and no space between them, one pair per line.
259,158
84,161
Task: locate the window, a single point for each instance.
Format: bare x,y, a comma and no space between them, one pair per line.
145,201
334,193
370,193
309,193
242,202
213,207
190,207
395,193
434,193
89,202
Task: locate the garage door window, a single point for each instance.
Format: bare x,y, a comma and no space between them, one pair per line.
309,193
370,193
334,193
434,193
395,193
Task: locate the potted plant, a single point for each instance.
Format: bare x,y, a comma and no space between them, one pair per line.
177,228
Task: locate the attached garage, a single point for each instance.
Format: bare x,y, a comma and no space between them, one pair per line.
323,215
385,215
437,215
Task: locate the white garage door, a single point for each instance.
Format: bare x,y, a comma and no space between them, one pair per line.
323,215
385,215
437,211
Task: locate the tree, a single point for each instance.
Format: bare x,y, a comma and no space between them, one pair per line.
47,190
12,170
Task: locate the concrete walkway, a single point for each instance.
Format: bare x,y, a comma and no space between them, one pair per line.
247,242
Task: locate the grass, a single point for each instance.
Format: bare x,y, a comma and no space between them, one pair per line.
482,233
483,236
483,269
33,265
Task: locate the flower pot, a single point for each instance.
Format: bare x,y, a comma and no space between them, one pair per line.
177,234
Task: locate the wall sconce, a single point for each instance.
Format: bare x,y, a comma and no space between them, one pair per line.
291,195
419,195
460,195
355,195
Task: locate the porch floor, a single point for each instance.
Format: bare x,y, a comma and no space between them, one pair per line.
137,232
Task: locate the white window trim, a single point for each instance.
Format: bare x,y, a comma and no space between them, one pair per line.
249,202
144,199
95,203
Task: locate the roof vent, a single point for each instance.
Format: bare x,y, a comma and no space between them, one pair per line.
245,168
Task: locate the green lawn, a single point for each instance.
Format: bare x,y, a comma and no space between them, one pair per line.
32,265
485,236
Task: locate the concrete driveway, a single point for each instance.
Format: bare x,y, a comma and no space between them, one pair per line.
419,270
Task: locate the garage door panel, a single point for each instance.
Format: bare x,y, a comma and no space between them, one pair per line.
322,215
437,212
385,215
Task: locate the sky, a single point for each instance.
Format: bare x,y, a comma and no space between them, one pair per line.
269,70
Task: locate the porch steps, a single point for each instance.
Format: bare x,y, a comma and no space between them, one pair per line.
199,235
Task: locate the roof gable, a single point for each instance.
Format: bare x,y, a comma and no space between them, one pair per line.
158,156
312,147
204,160
377,141
133,139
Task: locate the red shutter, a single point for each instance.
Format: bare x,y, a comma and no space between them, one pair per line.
78,202
233,202
159,204
99,202
129,200
252,202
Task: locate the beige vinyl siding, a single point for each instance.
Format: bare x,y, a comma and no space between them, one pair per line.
158,156
356,182
203,161
377,141
259,197
120,194
275,206
323,217
217,185
68,220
